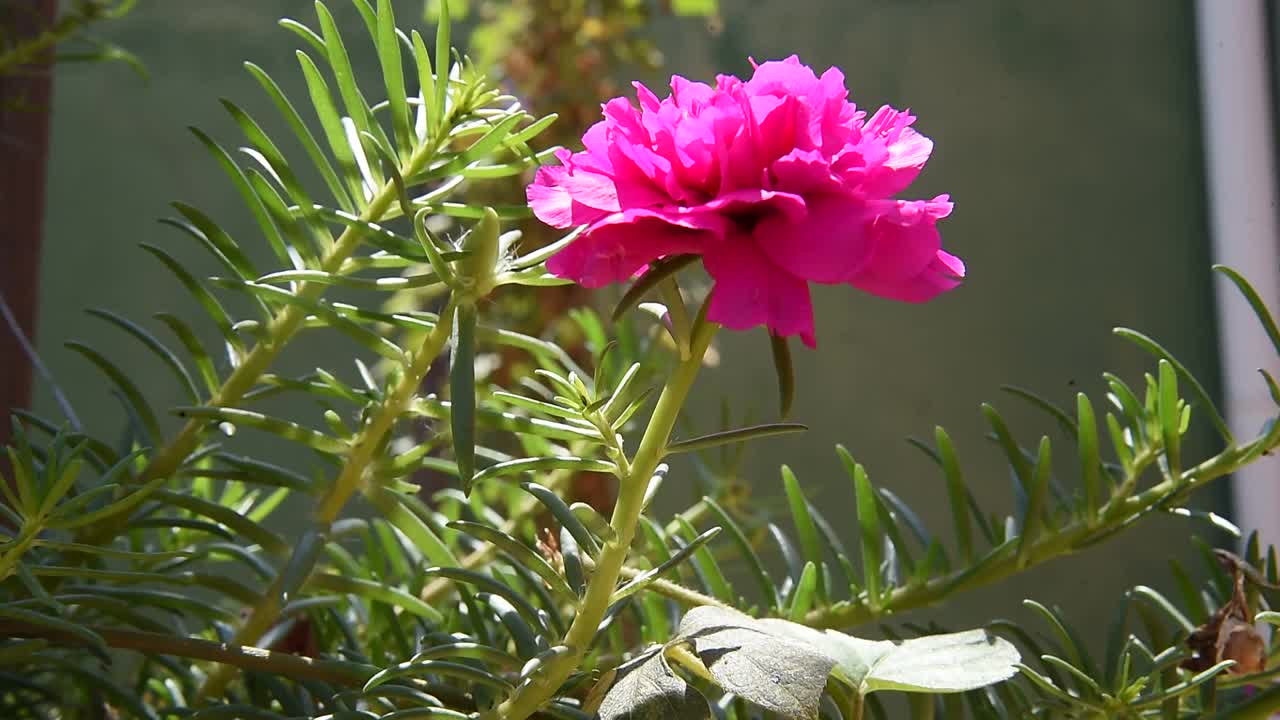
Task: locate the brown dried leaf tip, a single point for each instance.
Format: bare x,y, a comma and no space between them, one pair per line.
1229,634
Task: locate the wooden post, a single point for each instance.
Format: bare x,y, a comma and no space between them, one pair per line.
25,100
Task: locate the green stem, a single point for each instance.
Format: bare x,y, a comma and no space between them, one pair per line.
242,657
363,449
626,514
1117,515
279,331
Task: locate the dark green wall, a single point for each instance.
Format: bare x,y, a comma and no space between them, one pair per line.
1067,133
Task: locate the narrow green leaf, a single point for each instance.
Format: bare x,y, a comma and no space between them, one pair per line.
340,63
440,103
462,394
519,552
225,516
393,76
375,591
768,590
1090,461
327,113
729,437
806,530
130,392
1169,413
153,344
869,530
658,271
489,585
304,136
805,593
593,521
705,565
542,464
1255,302
211,306
957,493
1202,395
75,630
564,516
646,578
247,194
1031,521
785,372
265,423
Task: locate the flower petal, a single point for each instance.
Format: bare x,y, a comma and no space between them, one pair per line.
828,245
619,246
749,291
906,261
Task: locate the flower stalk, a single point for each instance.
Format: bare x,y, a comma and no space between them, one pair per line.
363,450
538,690
168,459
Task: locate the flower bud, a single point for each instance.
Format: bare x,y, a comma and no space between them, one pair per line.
479,267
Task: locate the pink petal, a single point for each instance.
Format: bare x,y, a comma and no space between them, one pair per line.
619,246
554,204
749,291
827,246
906,261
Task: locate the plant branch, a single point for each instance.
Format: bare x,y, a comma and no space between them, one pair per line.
1005,561
242,657
535,693
170,457
363,449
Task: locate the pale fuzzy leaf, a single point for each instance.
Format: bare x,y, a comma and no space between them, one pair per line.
646,689
854,657
763,667
945,663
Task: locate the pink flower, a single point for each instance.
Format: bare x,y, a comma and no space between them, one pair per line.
775,182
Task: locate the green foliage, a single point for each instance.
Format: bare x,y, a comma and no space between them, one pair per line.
68,39
144,571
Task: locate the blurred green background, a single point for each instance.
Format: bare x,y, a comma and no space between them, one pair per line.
1067,134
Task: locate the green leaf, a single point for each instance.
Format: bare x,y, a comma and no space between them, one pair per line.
763,667
327,113
130,393
439,102
957,493
393,75
954,662
646,578
519,552
265,423
488,584
804,595
226,516
704,564
1255,303
1202,395
462,394
374,591
1167,409
80,633
564,516
157,348
785,372
1031,521
869,532
658,271
807,531
646,689
1090,461
729,437
211,306
768,590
